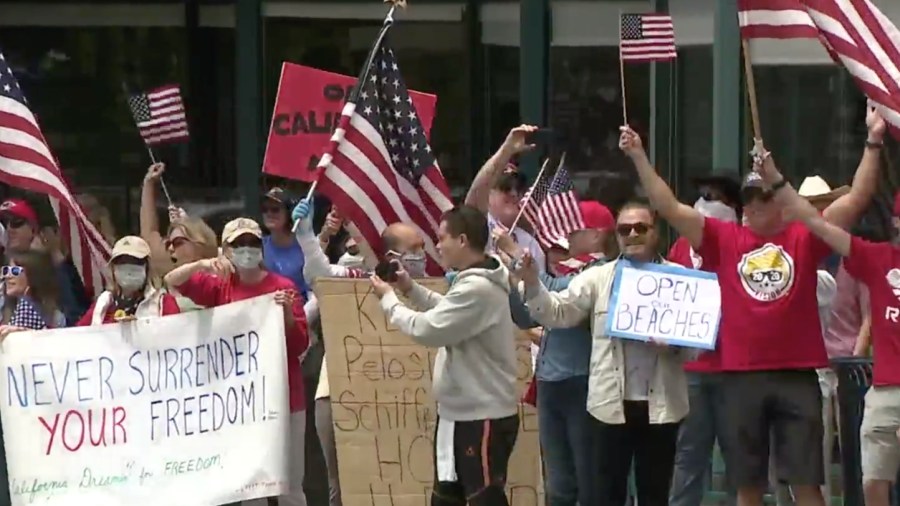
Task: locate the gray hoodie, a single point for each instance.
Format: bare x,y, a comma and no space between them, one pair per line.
475,369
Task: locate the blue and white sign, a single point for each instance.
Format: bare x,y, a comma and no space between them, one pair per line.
670,304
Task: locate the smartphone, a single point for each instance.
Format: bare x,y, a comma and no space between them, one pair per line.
387,270
543,137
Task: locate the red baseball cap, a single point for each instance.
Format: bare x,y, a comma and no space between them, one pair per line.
596,216
20,209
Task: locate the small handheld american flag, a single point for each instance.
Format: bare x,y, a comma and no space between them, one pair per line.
160,115
553,209
647,38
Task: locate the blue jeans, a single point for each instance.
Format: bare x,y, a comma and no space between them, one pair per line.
698,433
567,441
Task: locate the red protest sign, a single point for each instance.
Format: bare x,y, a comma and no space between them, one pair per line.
307,110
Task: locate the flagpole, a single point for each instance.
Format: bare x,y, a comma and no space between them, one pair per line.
751,89
528,195
622,74
162,181
363,75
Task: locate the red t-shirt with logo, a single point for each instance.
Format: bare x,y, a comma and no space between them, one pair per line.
770,318
877,265
682,254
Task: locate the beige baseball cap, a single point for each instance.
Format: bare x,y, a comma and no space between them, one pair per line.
132,246
238,227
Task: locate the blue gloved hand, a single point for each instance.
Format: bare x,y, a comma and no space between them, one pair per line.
303,215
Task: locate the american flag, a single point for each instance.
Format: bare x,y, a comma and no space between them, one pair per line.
647,38
159,115
866,42
553,209
775,19
26,163
379,168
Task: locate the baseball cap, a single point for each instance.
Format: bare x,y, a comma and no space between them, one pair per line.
282,196
596,216
20,209
132,246
238,227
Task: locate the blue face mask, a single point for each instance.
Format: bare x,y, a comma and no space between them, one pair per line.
450,276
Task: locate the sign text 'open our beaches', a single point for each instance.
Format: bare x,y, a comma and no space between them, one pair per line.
664,302
191,408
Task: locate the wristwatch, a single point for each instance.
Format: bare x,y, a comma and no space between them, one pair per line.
779,185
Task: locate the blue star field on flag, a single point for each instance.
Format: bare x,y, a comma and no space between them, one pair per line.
385,103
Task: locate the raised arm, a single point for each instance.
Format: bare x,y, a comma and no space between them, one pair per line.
801,209
564,309
685,219
846,210
516,142
316,264
149,220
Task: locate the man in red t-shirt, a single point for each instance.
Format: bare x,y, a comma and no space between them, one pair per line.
770,339
702,427
877,265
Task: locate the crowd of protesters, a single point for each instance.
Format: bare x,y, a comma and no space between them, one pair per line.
796,290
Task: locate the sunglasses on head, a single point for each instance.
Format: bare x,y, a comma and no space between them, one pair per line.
11,270
625,229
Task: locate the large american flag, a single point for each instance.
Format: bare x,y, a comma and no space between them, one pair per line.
553,209
775,19
159,115
379,168
866,42
647,38
26,163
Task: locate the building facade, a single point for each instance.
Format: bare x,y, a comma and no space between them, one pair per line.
492,63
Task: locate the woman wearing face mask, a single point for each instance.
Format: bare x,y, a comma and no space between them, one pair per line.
134,294
30,294
239,275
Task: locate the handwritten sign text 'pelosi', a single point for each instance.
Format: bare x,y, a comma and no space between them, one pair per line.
184,409
667,303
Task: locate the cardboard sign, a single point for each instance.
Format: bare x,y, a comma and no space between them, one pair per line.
384,415
184,409
307,110
672,304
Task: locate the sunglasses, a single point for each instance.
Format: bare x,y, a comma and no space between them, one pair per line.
177,242
11,270
271,209
626,229
750,194
13,222
246,243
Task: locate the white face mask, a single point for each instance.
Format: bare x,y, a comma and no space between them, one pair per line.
715,209
130,277
246,257
414,264
351,261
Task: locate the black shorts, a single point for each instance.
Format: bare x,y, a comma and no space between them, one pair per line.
784,405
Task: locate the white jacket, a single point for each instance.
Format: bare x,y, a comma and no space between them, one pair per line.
587,297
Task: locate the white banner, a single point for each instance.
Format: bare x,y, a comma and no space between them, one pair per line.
185,410
667,303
